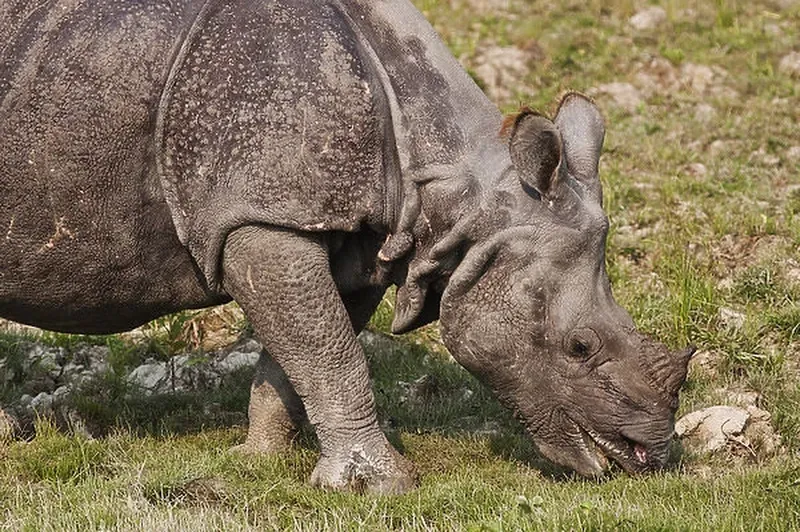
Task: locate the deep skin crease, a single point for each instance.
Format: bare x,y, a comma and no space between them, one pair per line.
299,157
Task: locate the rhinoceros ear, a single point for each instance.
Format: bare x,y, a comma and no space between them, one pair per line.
582,129
535,148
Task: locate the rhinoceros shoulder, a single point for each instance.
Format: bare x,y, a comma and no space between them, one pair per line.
274,114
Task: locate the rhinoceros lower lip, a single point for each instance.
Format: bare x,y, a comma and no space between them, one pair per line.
632,456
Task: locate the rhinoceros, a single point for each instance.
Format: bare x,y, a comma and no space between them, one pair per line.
299,157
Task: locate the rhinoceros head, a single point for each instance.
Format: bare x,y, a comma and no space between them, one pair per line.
529,308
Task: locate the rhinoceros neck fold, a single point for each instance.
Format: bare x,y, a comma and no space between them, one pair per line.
440,115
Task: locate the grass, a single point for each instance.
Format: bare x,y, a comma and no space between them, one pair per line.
687,244
190,482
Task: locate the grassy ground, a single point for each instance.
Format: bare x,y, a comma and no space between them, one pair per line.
702,187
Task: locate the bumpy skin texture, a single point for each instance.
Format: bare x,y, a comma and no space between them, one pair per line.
299,157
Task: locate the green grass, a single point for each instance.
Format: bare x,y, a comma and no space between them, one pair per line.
682,246
67,483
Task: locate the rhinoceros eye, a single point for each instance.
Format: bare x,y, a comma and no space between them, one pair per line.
582,343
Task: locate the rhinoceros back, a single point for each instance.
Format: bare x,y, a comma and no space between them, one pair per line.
273,114
122,120
87,237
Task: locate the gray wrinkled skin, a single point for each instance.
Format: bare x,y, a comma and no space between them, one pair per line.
299,157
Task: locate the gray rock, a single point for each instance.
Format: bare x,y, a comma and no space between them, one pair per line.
698,78
790,65
418,389
94,358
152,378
76,374
740,431
501,69
697,170
45,360
193,372
730,318
239,359
704,113
623,95
61,394
42,403
710,429
648,19
738,397
483,6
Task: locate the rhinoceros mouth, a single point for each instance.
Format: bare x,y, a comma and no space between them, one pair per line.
631,456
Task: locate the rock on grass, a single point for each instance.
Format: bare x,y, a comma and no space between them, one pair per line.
739,431
623,95
648,19
790,65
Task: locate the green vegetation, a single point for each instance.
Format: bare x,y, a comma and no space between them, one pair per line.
702,186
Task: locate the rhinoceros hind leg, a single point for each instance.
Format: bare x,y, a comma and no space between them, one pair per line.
282,281
275,412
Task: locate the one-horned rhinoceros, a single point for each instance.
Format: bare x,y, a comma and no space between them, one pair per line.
299,157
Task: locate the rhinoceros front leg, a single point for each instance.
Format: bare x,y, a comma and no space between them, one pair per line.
282,281
276,412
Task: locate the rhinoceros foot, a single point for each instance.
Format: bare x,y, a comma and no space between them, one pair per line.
380,471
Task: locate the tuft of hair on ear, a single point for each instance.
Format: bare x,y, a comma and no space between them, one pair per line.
513,120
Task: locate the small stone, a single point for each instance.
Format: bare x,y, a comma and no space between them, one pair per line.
238,360
61,394
94,358
648,19
152,378
760,435
421,388
739,397
704,113
624,95
720,147
42,403
792,274
484,6
793,154
730,318
657,76
503,68
767,159
790,65
698,78
695,170
46,361
704,363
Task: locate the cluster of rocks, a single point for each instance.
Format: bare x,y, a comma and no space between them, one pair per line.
47,378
